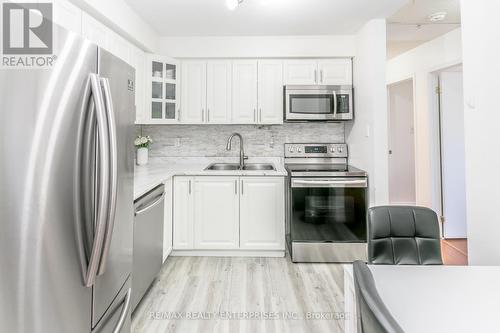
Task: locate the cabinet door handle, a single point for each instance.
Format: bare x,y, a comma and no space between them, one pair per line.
321,76
202,115
208,115
179,114
190,187
260,114
236,187
254,115
242,187
315,76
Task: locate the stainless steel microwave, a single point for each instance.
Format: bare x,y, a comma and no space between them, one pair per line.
318,103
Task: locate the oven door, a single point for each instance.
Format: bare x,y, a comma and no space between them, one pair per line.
328,210
325,103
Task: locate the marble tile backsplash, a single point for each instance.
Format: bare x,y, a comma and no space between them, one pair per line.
210,140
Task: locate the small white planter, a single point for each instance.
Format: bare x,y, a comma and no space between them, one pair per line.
142,156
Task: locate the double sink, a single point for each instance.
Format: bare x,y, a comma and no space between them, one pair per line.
236,166
242,165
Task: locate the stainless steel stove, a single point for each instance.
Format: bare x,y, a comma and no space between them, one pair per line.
326,204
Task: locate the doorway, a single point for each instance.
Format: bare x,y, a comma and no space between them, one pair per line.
452,153
401,143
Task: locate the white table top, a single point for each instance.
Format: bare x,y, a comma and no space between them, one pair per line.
441,298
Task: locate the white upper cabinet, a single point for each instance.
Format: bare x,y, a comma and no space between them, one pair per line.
183,214
161,90
270,92
138,61
249,91
193,91
262,222
244,92
219,86
216,224
67,15
322,72
335,72
118,46
301,71
95,31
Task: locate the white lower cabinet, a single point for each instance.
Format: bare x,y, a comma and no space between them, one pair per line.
167,225
216,213
228,213
262,214
183,213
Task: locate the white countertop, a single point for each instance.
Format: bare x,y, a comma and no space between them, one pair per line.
440,298
158,170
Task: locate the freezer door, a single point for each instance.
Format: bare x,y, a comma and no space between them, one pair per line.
116,264
41,285
117,318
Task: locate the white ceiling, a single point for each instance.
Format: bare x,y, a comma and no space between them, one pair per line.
261,17
410,26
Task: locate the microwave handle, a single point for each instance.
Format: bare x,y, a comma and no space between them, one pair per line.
334,104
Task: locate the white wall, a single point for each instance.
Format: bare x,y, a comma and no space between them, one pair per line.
419,64
258,46
120,17
367,135
481,50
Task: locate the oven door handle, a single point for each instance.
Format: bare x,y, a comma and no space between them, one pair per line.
339,183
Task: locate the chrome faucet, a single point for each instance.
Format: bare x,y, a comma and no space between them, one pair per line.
242,151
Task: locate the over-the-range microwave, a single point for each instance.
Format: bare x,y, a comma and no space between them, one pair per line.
318,103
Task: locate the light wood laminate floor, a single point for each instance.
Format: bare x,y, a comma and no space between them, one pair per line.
219,287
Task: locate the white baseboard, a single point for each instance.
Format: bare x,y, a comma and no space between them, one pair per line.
227,253
166,253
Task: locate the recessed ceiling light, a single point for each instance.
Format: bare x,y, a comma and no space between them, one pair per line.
232,4
436,17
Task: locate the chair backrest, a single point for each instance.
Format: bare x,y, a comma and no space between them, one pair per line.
403,235
373,316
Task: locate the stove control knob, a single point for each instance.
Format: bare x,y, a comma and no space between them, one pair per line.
291,149
332,149
340,149
299,150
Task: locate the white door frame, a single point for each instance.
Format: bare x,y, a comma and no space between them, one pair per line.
438,156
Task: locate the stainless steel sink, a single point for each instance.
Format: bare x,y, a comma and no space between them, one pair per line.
223,166
234,166
258,166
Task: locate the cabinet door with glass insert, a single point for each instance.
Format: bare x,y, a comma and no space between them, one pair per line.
162,90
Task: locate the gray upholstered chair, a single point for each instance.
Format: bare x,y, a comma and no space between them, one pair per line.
403,235
372,314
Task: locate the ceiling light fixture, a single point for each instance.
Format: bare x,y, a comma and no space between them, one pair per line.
232,4
436,17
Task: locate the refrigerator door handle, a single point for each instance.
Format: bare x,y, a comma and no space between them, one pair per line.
123,314
99,215
113,181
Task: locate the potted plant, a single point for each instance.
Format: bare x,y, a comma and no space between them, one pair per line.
142,144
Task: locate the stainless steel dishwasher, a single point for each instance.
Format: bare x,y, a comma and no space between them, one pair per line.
148,241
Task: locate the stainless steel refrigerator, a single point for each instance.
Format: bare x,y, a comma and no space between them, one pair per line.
66,192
